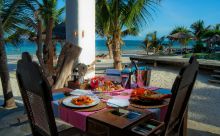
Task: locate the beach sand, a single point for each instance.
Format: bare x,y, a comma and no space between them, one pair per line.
204,111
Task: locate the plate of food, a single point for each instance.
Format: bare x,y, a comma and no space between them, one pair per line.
82,101
145,96
102,85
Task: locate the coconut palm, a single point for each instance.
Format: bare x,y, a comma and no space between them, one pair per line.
12,13
126,15
47,12
103,27
211,36
198,29
152,41
45,16
213,30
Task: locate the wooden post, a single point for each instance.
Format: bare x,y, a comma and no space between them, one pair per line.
155,63
80,29
69,59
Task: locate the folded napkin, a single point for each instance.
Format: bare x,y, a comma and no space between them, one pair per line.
115,102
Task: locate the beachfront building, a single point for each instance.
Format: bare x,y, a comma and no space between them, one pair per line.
80,29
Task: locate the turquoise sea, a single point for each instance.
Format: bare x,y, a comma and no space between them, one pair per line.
30,47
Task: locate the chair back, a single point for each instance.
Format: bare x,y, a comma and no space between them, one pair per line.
35,91
181,92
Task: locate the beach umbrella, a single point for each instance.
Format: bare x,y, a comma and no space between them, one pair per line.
214,39
179,35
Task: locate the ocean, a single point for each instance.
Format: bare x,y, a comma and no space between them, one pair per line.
129,45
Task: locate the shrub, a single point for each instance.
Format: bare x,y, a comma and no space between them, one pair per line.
198,48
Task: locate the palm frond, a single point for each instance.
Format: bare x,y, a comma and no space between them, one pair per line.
17,37
139,12
103,18
131,31
182,29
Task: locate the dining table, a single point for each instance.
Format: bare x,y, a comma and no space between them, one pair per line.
100,117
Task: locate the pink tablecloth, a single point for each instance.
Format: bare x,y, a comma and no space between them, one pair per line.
78,119
73,117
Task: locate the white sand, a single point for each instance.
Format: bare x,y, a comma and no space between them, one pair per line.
204,111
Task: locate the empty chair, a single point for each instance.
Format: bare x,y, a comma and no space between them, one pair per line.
181,92
37,98
175,120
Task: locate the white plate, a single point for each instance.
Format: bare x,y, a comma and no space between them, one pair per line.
81,92
116,102
67,102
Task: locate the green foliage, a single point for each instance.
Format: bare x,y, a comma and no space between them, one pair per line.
19,17
181,29
152,41
123,16
13,14
199,29
211,56
199,47
47,9
211,33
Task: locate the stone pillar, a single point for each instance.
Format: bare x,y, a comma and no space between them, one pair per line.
80,29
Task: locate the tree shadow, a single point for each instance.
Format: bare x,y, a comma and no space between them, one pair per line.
204,106
193,132
6,112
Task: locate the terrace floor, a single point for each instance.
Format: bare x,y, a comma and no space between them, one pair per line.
203,106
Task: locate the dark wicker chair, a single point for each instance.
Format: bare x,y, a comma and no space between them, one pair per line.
176,117
181,92
37,97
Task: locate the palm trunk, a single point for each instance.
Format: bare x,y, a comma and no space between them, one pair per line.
147,50
116,40
54,51
169,50
109,46
4,74
117,51
39,51
147,47
49,50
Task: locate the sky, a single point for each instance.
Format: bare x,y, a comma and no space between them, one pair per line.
172,13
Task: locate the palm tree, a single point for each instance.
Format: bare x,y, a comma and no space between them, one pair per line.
124,15
45,17
11,19
48,12
181,34
198,29
213,30
152,41
210,35
103,27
